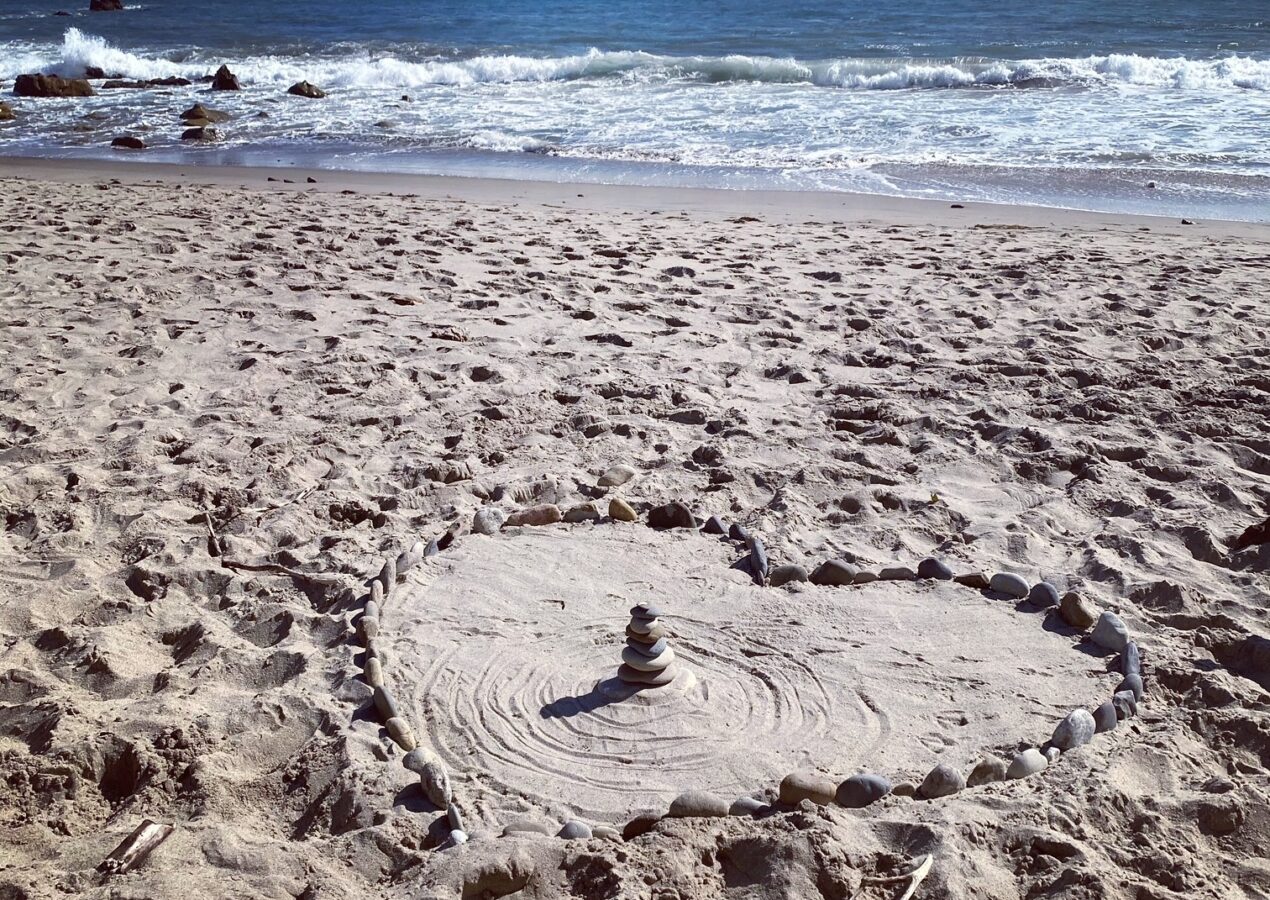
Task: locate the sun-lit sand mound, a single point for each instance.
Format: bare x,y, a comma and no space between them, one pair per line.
506,652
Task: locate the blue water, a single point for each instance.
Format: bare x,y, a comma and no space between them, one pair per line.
1160,106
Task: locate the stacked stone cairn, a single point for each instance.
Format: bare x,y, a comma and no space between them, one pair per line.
647,660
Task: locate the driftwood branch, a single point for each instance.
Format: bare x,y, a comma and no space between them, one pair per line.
134,849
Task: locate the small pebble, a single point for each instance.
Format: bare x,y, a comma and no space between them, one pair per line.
671,515
1132,683
1130,660
622,511
714,525
435,782
1126,705
698,804
978,581
934,568
904,789
543,514
785,574
865,577
385,704
607,832
897,573
834,572
373,672
738,533
1009,584
399,730
746,806
1051,754
583,512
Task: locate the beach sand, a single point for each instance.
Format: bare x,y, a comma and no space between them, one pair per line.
326,372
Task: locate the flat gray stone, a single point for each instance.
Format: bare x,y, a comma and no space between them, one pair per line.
786,574
654,634
637,660
897,573
1074,731
834,572
1029,762
488,520
648,650
758,561
646,611
573,830
865,577
934,568
859,791
1105,718
698,805
646,679
941,781
1009,584
1043,594
1110,633
986,771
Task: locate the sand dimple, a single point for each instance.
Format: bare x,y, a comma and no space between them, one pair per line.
506,650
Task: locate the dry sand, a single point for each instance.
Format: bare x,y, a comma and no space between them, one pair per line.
330,376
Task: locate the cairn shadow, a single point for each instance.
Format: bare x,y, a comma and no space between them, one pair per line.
605,693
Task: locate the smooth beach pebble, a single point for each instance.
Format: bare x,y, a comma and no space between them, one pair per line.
1074,731
739,533
1105,718
652,636
524,826
834,572
435,782
1009,584
934,568
897,573
671,515
583,512
647,650
637,660
573,830
865,577
799,786
904,789
1051,754
488,520
714,525
543,514
978,581
1110,633
418,758
616,476
399,730
646,610
456,838
631,675
1130,660
1132,683
698,804
385,704
388,575
746,806
1126,705
785,574
373,672
1077,611
622,511
1029,762
640,825
1043,594
986,771
758,561
859,791
941,781
607,832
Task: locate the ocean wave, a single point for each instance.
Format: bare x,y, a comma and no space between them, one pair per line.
79,50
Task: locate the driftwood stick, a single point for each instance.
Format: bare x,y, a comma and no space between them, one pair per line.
134,849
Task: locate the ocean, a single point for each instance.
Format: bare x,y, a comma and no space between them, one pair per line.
1148,106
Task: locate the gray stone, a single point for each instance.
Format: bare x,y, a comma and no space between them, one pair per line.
1105,718
738,533
617,475
1077,611
457,837
941,781
897,573
648,650
1074,731
488,520
934,568
785,574
1132,683
1029,762
986,771
746,806
865,577
583,512
417,759
1043,594
714,525
607,832
1051,754
622,511
698,805
834,572
386,704
401,733
859,791
1126,705
655,634
373,672
1009,584
454,817
526,826
671,515
758,561
799,786
646,610
435,782
573,830
1130,660
636,660
631,675
1110,633
388,575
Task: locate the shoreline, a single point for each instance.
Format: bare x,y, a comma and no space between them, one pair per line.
823,206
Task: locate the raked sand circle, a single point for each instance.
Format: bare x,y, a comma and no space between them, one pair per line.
504,653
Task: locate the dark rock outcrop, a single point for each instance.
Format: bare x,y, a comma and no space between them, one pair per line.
170,81
198,114
225,80
200,133
128,142
304,89
51,86
105,5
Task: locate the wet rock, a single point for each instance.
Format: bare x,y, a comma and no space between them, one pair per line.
201,133
986,771
1105,718
6,112
1134,685
786,573
859,791
304,89
105,5
616,476
51,86
1009,584
583,512
1074,731
1110,633
573,830
897,573
488,520
834,572
941,781
698,804
671,515
542,514
622,511
799,786
200,114
978,581
128,142
1077,611
1043,594
225,80
934,568
1029,762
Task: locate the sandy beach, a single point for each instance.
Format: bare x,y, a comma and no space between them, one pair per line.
226,395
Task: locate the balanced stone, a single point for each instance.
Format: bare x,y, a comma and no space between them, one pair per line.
1134,684
1074,731
1130,660
941,781
573,830
641,626
785,574
897,573
418,759
1077,611
631,675
986,771
1126,705
714,525
671,515
637,660
646,611
1111,633
799,786
648,650
488,520
1105,718
1029,762
934,568
1009,584
834,572
698,805
1043,594
622,511
859,791
656,633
